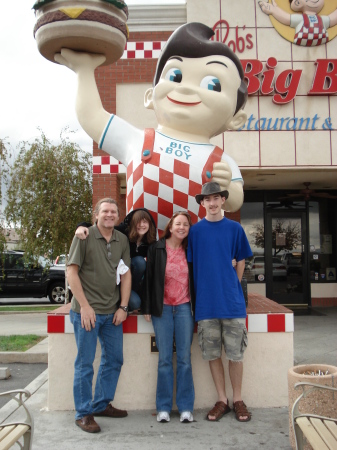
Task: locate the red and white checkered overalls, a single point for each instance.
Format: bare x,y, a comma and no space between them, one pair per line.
311,34
165,190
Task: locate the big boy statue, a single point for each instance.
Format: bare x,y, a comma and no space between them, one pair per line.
198,92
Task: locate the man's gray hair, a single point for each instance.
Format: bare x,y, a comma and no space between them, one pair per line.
99,203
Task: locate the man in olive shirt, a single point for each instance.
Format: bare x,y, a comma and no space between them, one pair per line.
92,275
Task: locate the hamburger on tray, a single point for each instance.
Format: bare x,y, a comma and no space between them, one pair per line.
92,26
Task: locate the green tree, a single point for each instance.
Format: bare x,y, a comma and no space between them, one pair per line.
49,192
4,155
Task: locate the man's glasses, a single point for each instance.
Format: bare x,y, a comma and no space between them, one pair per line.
108,247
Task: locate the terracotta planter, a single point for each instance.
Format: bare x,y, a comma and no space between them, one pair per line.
318,402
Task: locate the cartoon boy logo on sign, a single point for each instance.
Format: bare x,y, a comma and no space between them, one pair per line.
311,28
198,92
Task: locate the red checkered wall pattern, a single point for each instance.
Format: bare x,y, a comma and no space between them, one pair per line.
137,65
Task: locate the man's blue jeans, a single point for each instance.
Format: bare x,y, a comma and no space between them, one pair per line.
111,340
176,322
138,267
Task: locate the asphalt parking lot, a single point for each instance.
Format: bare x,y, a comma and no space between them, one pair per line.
21,376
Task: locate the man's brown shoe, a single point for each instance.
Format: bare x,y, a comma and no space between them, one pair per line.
110,411
88,424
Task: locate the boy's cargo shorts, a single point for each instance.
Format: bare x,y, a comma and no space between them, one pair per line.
232,333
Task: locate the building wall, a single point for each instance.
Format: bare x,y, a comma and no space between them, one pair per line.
284,143
247,29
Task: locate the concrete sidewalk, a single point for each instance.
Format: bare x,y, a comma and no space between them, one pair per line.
315,341
55,430
315,337
21,324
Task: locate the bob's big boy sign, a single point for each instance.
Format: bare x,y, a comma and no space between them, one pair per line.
305,23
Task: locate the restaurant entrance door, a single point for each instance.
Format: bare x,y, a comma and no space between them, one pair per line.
286,266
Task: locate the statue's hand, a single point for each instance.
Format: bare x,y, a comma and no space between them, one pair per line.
268,8
77,61
222,174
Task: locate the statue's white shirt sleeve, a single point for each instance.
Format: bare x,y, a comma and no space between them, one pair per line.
236,174
121,140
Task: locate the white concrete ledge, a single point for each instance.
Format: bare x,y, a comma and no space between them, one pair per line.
267,360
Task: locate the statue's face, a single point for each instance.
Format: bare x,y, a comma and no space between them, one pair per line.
197,95
308,5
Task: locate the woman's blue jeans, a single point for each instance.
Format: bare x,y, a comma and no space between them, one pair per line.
111,340
176,322
138,267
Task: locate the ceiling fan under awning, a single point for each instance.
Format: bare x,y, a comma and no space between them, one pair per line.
307,193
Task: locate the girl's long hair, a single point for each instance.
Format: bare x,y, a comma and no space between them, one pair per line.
150,236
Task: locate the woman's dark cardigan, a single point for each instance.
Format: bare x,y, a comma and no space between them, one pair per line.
153,294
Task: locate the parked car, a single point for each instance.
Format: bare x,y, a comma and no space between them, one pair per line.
257,268
293,263
38,278
60,260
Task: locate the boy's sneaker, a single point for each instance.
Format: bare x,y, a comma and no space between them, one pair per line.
163,417
186,416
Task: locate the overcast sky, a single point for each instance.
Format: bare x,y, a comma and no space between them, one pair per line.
35,93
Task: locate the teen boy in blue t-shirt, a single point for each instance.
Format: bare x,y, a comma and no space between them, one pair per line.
220,308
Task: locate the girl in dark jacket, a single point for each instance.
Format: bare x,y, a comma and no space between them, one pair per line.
141,231
167,300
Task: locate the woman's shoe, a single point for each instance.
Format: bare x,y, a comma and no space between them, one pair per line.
163,416
186,416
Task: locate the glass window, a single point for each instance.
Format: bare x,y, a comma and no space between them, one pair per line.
253,224
322,245
15,261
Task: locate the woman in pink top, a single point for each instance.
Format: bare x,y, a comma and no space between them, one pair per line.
167,299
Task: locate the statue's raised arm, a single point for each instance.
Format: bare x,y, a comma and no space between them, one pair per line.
198,92
89,109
